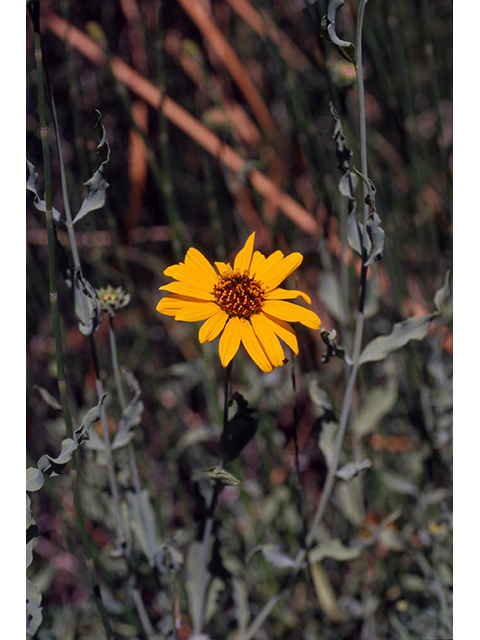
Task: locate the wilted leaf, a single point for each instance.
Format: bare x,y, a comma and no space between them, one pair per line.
37,201
55,466
87,306
345,48
97,185
238,431
333,349
343,153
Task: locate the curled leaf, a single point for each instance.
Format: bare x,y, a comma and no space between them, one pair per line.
333,349
345,48
87,306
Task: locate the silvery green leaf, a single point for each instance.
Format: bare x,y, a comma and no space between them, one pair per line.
87,305
334,548
34,479
331,293
131,415
55,466
34,610
414,328
36,199
97,185
48,398
345,48
351,469
377,403
273,555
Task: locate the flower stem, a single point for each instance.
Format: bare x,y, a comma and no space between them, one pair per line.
208,526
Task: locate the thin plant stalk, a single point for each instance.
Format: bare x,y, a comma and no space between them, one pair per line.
34,9
207,531
357,343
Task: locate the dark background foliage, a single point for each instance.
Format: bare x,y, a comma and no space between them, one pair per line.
172,194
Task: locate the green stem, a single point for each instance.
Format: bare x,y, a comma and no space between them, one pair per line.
207,531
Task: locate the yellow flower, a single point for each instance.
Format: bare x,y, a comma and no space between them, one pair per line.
244,302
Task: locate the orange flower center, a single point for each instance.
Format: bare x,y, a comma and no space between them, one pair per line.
238,294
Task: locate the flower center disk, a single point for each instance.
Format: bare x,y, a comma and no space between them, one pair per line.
238,294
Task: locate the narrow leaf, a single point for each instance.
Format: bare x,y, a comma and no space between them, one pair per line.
48,398
97,185
131,415
34,479
414,328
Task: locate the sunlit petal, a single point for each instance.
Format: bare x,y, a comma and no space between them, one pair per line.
244,256
268,339
284,331
188,275
223,266
286,294
230,340
212,327
254,347
257,261
279,271
200,265
194,311
187,289
291,313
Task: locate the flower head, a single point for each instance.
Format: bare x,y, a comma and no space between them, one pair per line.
244,302
111,299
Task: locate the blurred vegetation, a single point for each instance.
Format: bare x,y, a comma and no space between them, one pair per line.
266,98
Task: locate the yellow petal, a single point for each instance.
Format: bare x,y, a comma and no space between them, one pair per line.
194,311
188,289
230,340
285,294
291,313
212,327
244,256
257,261
188,275
284,331
223,266
268,339
170,305
265,267
276,273
254,348
200,265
